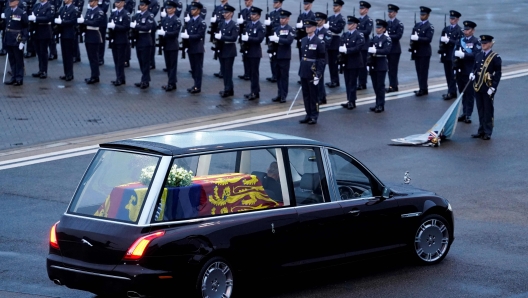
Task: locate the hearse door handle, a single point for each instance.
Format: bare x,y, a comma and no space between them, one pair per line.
354,212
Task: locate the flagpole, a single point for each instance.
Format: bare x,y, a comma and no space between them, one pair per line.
5,68
294,99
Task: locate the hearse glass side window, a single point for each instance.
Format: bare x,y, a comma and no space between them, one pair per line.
351,181
308,176
223,183
115,186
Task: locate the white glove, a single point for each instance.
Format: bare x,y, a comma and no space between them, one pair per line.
187,18
326,25
21,46
32,17
491,90
316,81
299,25
267,22
80,20
218,35
2,16
111,25
161,32
274,37
133,24
459,53
138,11
386,33
471,76
414,36
213,19
114,9
240,20
58,20
342,49
372,50
163,13
245,37
185,35
444,38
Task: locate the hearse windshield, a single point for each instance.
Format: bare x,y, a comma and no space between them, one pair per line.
115,186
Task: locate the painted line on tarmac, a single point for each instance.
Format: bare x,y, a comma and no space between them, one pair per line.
62,154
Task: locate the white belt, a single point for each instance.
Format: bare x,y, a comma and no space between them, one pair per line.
144,31
92,28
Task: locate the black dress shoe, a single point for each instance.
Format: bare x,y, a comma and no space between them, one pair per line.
18,83
152,67
137,84
272,79
304,121
361,87
299,82
448,96
477,135
243,77
226,93
3,52
101,63
29,55
144,85
11,82
276,99
312,121
52,57
62,77
36,75
168,87
283,100
373,109
332,84
43,75
165,70
253,96
66,78
349,105
75,60
118,83
486,137
461,118
91,81
421,92
127,64
194,90
467,120
218,75
391,89
379,109
323,101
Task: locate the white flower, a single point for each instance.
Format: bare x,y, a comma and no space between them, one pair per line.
177,176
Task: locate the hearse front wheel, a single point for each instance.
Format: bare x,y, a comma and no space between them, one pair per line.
432,240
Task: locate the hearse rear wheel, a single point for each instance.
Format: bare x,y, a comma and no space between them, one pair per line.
215,279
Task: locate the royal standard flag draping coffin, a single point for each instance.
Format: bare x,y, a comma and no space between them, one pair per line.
443,129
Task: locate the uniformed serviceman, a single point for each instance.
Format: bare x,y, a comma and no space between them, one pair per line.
335,24
93,38
143,23
421,37
80,6
352,42
203,11
365,26
300,31
217,17
130,7
467,48
53,42
3,4
196,35
311,70
170,31
255,33
42,16
242,21
153,8
380,46
16,24
322,33
67,21
284,36
226,44
272,22
486,76
179,9
103,5
395,31
120,26
450,36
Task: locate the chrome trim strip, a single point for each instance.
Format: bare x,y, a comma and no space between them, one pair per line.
89,273
414,214
330,181
149,206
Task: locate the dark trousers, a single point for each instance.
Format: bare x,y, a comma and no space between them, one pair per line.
77,53
67,49
450,77
351,78
119,55
282,71
41,46
128,53
93,58
16,60
53,47
246,65
254,75
321,90
226,68
143,55
311,105
171,63
394,61
196,61
378,83
30,45
468,99
273,66
153,49
333,67
422,71
363,73
102,46
485,110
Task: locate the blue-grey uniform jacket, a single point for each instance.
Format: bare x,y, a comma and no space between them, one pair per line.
196,30
471,47
68,15
203,11
256,33
275,18
493,72
286,36
144,26
336,25
395,31
365,26
105,4
313,60
354,42
229,37
45,13
122,25
383,46
154,7
425,33
172,28
17,23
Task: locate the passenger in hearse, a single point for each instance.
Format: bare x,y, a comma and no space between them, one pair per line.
271,182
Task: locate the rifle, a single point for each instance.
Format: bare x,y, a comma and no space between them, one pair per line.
161,41
300,33
411,43
354,12
442,47
384,17
185,42
133,34
327,9
268,27
213,27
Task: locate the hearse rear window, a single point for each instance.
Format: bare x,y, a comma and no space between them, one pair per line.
115,186
223,183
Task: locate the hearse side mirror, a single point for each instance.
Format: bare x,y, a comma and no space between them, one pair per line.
385,193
